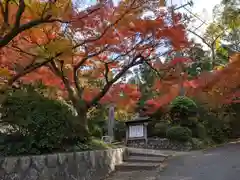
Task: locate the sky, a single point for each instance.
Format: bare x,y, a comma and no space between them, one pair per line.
203,9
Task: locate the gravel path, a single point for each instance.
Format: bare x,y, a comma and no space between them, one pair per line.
221,163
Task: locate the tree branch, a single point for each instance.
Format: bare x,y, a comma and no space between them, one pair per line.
16,30
106,73
22,51
108,85
2,9
107,28
6,12
30,68
214,41
203,40
60,73
7,38
89,12
19,13
79,64
26,71
155,70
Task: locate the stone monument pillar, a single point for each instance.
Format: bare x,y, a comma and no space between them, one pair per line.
111,122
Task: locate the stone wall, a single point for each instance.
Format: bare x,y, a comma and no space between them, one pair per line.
154,143
89,165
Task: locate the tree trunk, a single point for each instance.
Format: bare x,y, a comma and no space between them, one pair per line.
81,122
213,56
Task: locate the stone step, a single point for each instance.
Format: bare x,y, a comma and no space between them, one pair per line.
147,152
147,155
131,166
145,159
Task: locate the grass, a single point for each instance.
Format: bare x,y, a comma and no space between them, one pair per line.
94,144
97,144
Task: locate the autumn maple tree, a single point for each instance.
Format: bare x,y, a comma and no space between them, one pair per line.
215,89
221,86
169,82
84,53
22,23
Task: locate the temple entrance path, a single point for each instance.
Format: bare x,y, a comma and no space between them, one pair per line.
222,163
141,164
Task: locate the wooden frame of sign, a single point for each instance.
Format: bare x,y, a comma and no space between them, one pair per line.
137,129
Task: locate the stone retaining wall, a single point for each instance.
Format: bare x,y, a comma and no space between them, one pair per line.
159,144
89,165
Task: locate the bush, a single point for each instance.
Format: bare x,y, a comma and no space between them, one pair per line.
160,129
98,144
217,129
216,123
178,133
189,122
119,130
208,142
39,125
233,112
182,107
97,132
197,143
199,131
92,144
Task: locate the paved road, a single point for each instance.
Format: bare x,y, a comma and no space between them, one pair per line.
221,163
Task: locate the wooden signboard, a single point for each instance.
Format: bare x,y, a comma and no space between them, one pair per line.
136,131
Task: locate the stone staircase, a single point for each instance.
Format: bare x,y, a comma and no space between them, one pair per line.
141,159
141,164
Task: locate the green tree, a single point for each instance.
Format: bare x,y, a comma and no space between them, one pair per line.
224,29
200,57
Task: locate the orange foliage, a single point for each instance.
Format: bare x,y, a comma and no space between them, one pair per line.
124,96
163,100
21,43
215,88
88,47
49,78
88,50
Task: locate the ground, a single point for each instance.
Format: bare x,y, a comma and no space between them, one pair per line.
134,175
222,163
